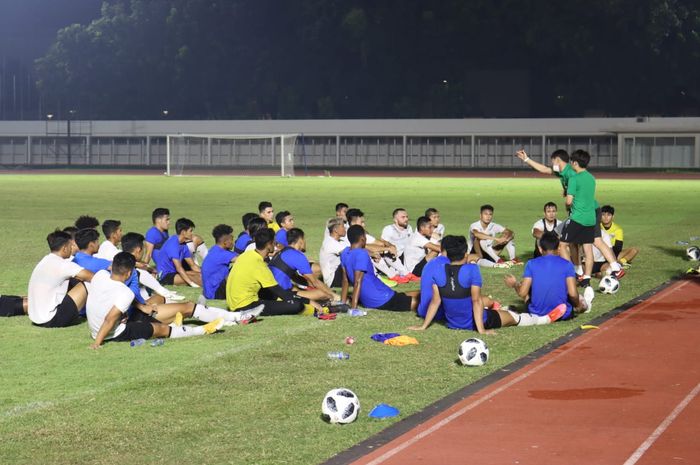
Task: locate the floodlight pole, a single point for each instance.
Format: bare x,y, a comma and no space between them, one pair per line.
282,153
167,155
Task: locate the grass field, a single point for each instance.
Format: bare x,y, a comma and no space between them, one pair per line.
252,394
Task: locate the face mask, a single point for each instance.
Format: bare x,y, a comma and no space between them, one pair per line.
555,168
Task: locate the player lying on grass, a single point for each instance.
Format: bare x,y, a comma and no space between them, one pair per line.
329,256
617,237
398,234
368,290
172,255
251,282
109,301
216,266
384,254
56,289
563,170
420,250
112,229
290,264
439,229
548,223
158,234
488,240
549,284
456,290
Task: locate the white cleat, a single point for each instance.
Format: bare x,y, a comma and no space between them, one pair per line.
588,296
251,313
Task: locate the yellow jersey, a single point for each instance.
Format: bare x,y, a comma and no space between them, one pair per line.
615,232
249,274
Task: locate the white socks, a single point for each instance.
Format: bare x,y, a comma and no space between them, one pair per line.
579,269
148,280
528,319
209,314
485,263
510,247
186,331
615,267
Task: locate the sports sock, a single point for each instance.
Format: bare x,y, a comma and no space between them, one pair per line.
623,261
382,266
579,269
186,331
148,280
615,267
528,319
510,248
485,263
209,314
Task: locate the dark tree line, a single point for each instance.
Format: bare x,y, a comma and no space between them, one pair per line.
377,58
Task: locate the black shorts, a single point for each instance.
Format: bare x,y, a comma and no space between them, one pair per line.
338,277
493,319
418,269
135,330
67,314
575,233
597,266
11,305
399,302
167,279
220,293
596,226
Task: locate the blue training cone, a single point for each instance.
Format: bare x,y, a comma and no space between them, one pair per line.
383,411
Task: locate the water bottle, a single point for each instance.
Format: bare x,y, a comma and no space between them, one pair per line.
137,342
157,342
356,312
338,355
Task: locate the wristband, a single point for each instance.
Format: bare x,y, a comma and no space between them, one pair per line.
527,159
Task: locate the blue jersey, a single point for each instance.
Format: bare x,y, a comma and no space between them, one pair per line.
455,293
373,292
548,274
135,286
171,250
427,280
156,237
243,241
91,263
296,261
215,268
281,237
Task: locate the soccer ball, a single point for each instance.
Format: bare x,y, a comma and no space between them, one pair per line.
340,406
693,253
609,285
473,352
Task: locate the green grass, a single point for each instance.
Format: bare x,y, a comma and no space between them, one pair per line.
252,394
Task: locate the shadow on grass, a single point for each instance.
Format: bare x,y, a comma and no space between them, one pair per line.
676,251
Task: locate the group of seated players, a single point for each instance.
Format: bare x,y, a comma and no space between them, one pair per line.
264,271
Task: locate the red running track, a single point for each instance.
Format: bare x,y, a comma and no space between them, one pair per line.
626,393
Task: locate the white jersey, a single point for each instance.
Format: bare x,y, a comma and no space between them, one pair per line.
438,234
328,234
490,230
329,257
398,237
597,254
48,286
544,226
415,251
370,238
106,293
107,251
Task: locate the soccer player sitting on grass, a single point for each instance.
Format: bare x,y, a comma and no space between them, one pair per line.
54,298
244,239
251,282
268,214
88,243
329,256
548,223
169,261
158,234
290,264
368,290
383,253
340,211
549,285
86,221
109,301
419,250
617,236
488,239
216,266
285,220
398,234
112,230
439,232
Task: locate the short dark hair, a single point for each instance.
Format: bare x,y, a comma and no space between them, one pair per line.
549,204
607,209
71,230
57,240
549,241
183,224
396,210
355,233
263,205
109,227
449,241
262,237
132,241
220,231
86,221
581,157
486,207
123,263
431,211
353,213
456,248
158,212
245,219
339,206
280,216
85,236
294,234
561,153
422,221
256,224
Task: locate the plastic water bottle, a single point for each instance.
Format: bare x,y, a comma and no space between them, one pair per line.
137,342
356,312
338,355
157,342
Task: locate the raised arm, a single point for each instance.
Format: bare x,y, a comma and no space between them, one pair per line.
532,163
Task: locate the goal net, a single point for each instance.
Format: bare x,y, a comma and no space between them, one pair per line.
201,153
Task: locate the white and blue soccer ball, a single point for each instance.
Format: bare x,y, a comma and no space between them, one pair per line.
609,285
473,352
340,406
693,253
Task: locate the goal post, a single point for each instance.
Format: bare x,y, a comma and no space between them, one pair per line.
189,152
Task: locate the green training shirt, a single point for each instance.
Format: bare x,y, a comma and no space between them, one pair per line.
567,173
582,187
